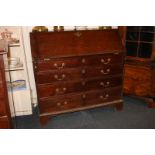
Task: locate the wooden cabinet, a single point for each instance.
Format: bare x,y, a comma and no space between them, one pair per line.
77,70
5,116
140,62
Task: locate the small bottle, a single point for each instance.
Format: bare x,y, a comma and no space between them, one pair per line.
101,27
40,29
75,28
61,28
104,27
109,27
55,28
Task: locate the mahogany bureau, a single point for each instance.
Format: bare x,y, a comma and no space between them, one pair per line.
5,117
77,70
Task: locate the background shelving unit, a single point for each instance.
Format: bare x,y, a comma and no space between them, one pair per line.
18,75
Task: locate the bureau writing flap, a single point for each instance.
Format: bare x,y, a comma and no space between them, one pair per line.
69,43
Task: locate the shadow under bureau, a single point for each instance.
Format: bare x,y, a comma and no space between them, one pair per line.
77,70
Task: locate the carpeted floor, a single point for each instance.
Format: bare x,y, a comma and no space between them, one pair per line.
135,115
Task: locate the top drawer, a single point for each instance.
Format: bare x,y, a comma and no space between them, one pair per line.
72,62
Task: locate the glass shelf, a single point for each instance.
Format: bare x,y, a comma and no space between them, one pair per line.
14,69
14,45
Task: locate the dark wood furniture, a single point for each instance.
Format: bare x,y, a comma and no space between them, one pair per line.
77,70
5,117
140,62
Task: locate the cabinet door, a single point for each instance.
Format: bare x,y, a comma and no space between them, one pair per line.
140,41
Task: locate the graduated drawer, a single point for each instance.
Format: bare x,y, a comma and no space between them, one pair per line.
66,102
60,88
77,73
102,96
71,62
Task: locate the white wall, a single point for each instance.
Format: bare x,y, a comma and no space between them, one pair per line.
26,38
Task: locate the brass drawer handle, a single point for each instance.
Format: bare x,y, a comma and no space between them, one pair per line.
83,60
103,98
83,83
65,103
105,84
46,59
60,78
116,53
105,72
83,71
58,104
61,91
59,66
83,96
78,34
61,104
105,62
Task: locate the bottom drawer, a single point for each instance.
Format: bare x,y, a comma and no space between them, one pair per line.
4,122
66,102
60,104
100,97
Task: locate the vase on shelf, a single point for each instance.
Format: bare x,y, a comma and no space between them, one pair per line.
55,28
40,29
104,27
58,28
61,28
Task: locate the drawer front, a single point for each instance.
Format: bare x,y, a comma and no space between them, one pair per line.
60,104
67,102
77,74
71,62
103,96
4,123
2,106
61,88
57,76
